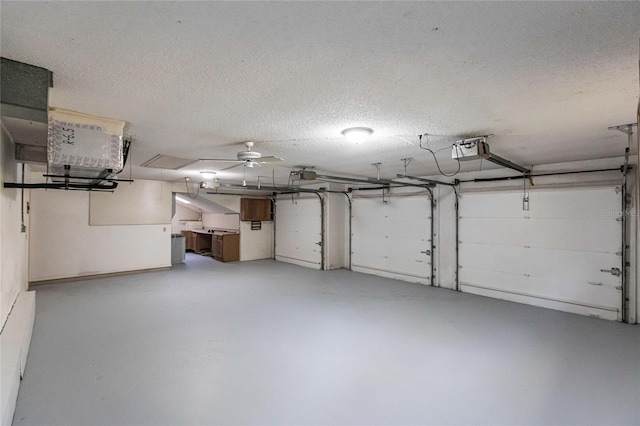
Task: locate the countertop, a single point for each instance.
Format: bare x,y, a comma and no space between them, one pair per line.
214,231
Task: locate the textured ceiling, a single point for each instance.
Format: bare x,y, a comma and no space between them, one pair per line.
196,79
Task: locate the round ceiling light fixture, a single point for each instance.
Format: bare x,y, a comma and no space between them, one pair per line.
357,134
207,174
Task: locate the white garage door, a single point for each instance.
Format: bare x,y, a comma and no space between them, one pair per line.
393,239
298,231
551,255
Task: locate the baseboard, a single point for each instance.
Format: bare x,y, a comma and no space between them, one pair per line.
90,277
14,343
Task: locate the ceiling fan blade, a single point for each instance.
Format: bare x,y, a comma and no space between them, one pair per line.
220,160
270,159
240,163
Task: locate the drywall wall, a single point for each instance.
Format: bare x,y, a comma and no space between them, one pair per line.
15,341
14,248
64,245
336,231
221,221
444,234
254,244
183,214
17,306
143,202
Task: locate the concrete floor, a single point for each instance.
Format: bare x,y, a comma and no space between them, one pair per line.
265,342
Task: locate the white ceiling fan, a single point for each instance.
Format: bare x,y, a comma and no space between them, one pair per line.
246,158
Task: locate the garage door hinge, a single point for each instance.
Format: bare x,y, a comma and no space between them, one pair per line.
619,288
618,253
618,219
527,247
593,283
618,189
527,217
527,275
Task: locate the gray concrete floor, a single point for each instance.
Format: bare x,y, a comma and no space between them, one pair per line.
265,342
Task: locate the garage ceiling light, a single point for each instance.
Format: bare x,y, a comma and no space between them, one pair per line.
357,134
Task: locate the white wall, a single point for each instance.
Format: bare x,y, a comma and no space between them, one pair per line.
14,243
17,305
183,214
64,245
444,237
336,231
143,202
221,221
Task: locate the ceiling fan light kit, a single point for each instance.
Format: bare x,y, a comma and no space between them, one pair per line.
357,134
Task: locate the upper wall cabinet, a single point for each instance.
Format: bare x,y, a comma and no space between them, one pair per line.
252,209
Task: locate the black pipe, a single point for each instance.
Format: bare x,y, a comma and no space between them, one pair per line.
377,188
86,178
279,190
538,175
22,228
366,181
113,185
457,211
433,247
435,182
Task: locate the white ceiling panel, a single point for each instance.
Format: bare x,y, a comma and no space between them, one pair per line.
196,79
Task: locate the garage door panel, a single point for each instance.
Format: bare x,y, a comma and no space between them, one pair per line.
298,237
298,227
368,245
390,227
301,222
548,265
387,238
559,233
578,203
584,294
409,268
553,251
549,203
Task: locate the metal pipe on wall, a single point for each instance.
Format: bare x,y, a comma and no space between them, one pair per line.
623,267
457,211
87,187
433,247
434,182
368,181
322,226
518,177
350,224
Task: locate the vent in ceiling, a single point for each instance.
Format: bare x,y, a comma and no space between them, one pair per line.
167,162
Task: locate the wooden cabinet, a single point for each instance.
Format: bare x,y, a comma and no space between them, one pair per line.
189,240
225,247
197,241
254,209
